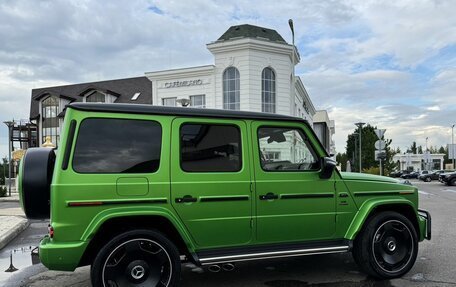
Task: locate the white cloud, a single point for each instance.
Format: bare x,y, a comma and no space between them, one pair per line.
433,108
376,61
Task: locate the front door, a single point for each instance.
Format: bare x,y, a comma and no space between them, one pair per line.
293,203
210,180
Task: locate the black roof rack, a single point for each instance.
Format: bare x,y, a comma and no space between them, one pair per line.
177,111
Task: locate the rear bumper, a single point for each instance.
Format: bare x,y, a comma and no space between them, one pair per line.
425,224
64,256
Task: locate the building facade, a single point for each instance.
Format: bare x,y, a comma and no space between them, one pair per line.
253,70
325,129
48,104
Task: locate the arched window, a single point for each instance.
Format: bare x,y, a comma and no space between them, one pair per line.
50,120
96,97
231,89
268,91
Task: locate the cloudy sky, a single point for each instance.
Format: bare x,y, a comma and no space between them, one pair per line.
388,63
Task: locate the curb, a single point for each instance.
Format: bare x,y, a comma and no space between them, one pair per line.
9,199
13,232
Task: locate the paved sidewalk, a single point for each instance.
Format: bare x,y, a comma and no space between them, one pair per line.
12,220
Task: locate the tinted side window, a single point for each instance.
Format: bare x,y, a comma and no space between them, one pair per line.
117,146
210,148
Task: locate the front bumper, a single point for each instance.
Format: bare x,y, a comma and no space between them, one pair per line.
425,219
64,256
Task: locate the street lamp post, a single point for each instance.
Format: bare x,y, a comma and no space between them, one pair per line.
426,154
452,143
290,23
9,124
360,126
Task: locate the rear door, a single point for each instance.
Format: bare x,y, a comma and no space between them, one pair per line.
210,180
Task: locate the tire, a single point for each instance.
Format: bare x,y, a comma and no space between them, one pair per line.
387,246
137,258
452,182
37,167
428,179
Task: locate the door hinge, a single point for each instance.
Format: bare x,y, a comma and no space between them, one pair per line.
251,187
251,222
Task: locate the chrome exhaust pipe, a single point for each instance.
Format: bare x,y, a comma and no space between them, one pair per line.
228,267
214,268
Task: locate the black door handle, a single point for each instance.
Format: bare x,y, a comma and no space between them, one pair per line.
269,196
186,199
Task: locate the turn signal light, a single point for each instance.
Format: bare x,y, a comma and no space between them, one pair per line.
51,231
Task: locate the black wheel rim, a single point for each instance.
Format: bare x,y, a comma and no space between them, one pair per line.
393,246
137,262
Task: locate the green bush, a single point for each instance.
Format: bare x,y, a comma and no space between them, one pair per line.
3,191
372,170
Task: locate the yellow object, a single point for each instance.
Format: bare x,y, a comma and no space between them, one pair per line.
18,154
48,143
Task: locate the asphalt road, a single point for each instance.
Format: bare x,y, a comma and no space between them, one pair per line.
435,266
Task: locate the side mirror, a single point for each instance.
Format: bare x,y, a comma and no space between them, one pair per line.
327,167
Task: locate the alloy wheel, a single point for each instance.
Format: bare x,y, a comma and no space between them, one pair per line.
393,246
137,262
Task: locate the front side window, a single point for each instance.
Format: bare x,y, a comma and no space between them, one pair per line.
210,148
170,102
268,91
50,123
117,146
286,149
198,101
231,89
96,97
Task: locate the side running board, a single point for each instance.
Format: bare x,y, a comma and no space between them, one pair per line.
248,256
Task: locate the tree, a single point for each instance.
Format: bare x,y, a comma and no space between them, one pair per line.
341,158
389,165
367,149
420,150
3,170
413,149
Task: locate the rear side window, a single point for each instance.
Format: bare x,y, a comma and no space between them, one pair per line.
117,146
210,148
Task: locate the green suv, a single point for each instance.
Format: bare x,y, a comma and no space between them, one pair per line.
134,190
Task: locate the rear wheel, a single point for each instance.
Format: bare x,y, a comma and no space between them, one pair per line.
428,179
387,246
137,258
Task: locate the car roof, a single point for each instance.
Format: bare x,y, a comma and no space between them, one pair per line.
178,111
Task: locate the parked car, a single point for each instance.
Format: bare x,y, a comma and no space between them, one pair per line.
431,176
135,189
413,174
396,173
448,178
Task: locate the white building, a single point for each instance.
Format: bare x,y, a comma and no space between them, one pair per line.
419,162
325,129
252,71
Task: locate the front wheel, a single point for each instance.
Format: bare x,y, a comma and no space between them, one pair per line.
137,258
387,246
428,179
452,182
